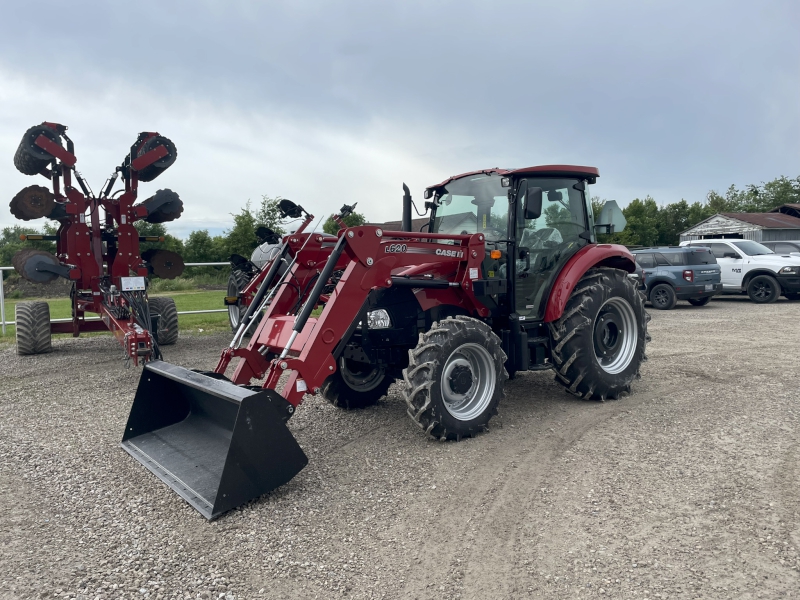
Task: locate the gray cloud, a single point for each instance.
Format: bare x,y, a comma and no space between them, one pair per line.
332,102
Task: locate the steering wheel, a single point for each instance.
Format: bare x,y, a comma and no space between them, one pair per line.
500,234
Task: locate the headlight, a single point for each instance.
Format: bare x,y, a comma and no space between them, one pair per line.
789,271
378,319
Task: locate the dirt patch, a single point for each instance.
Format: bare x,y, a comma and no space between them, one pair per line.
687,488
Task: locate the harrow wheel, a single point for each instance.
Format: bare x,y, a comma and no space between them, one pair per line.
356,385
32,328
32,202
454,379
29,159
599,342
152,171
167,330
168,207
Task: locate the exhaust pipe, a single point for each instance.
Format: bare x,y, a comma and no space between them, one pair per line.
406,225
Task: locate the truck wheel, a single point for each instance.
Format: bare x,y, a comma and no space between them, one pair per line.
32,327
167,330
700,301
236,283
599,342
662,297
454,379
356,384
763,289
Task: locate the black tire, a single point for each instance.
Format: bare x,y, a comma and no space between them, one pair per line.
167,330
356,385
453,349
763,289
599,342
663,297
236,283
33,328
699,301
150,172
29,159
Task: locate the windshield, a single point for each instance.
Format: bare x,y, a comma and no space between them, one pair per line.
473,204
752,248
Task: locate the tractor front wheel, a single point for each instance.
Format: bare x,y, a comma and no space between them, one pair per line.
32,325
599,342
356,384
237,281
454,379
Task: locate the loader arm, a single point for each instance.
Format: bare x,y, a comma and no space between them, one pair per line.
369,259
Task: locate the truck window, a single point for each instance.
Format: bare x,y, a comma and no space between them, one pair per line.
700,257
645,261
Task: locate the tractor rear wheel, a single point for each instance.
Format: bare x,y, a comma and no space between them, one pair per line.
599,342
167,329
32,327
356,385
454,379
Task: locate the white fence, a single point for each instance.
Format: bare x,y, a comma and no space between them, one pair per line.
185,312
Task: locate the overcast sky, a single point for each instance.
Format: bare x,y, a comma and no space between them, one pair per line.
333,102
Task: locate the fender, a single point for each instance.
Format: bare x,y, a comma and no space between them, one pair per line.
593,255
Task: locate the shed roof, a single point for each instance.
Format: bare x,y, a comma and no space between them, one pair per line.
766,220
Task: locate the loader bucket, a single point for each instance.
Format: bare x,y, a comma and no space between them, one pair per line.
218,445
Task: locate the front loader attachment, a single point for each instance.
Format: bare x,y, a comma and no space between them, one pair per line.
218,445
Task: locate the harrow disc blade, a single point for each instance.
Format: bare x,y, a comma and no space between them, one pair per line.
30,264
164,263
32,202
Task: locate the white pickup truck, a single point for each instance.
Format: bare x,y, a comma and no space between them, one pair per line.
749,267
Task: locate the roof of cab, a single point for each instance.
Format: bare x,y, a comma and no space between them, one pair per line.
540,171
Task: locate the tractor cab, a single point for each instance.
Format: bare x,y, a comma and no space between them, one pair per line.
534,220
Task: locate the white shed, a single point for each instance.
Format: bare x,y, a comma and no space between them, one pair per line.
759,227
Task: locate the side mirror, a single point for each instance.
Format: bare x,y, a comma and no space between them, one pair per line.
533,202
611,218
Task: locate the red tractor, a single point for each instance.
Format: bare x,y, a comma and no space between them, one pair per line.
505,277
97,245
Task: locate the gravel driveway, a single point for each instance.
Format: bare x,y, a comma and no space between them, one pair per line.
687,488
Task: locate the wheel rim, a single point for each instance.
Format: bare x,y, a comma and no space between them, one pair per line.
233,309
762,290
615,335
468,381
361,377
660,297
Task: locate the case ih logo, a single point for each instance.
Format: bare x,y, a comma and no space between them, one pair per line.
450,253
396,248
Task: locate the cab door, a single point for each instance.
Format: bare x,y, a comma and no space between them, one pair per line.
730,263
545,244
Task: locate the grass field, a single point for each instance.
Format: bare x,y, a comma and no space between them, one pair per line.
60,308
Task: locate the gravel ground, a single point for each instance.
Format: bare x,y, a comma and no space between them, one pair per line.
687,488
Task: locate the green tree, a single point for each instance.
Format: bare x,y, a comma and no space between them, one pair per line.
201,247
268,214
158,229
352,220
642,227
672,220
